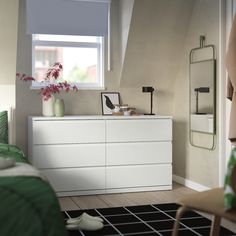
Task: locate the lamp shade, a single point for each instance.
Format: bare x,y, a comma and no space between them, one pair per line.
202,89
147,89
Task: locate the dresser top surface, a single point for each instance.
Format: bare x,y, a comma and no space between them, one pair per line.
99,117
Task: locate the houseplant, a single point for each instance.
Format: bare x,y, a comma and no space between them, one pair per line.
50,88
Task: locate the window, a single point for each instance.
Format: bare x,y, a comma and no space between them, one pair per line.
81,57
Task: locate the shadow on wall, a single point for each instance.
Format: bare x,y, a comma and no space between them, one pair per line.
180,135
154,47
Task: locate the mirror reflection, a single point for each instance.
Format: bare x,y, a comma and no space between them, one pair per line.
202,94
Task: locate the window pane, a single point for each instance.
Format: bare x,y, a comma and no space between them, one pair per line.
66,38
79,64
45,56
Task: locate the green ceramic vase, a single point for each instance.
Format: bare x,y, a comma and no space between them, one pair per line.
59,107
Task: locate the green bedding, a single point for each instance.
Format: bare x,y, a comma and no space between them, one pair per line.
28,205
11,151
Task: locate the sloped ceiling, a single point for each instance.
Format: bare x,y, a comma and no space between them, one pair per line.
153,46
125,15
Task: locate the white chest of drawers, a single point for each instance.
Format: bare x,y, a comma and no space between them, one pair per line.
102,154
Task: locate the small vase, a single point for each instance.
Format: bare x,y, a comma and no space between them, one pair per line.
48,107
59,107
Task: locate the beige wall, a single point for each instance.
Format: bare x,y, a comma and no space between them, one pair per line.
155,45
196,164
8,41
8,32
162,33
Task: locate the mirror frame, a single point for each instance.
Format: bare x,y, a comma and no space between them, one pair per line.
192,132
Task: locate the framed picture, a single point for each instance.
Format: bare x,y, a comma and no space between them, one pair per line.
109,100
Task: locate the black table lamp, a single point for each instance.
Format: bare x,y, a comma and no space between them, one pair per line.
148,89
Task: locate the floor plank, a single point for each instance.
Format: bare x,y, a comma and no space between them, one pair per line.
67,204
117,200
126,199
89,202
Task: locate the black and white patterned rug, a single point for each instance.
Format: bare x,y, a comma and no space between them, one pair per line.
145,220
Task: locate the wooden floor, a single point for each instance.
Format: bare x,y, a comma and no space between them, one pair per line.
129,199
124,199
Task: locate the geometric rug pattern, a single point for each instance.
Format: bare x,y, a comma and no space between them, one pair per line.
145,220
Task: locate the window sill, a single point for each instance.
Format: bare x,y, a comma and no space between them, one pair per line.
79,88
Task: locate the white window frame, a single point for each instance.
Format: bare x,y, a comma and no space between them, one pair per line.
81,86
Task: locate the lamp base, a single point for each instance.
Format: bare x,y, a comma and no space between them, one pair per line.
149,114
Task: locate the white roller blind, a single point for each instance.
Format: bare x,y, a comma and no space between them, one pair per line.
68,17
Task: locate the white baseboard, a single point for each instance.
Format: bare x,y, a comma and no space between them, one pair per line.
190,184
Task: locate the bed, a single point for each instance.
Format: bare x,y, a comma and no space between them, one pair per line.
28,205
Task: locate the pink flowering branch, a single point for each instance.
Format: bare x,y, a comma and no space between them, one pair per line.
24,77
52,73
50,89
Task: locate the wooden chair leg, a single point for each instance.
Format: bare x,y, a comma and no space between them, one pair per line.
178,217
215,226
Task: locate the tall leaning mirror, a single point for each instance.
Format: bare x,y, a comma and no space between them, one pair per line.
202,93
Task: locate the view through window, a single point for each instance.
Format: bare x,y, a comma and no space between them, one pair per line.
81,57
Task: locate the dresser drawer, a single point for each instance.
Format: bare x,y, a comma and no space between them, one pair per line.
68,155
69,131
138,153
138,176
138,130
76,179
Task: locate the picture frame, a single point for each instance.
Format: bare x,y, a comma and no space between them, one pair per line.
109,100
